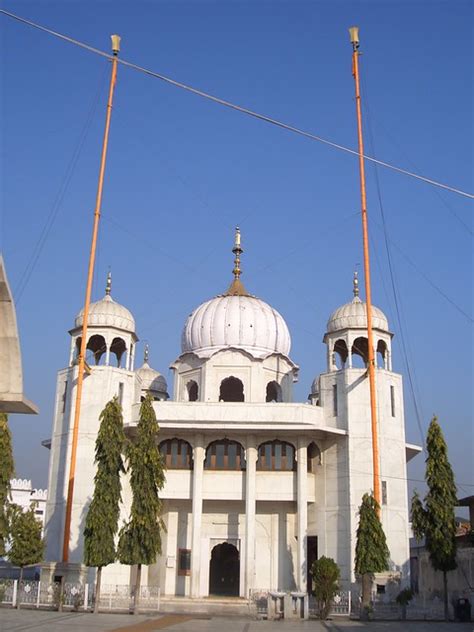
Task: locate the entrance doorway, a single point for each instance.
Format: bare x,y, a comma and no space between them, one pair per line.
224,571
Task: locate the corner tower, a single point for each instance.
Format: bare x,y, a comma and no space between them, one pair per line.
109,372
343,392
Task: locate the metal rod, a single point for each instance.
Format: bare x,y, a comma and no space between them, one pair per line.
368,294
90,275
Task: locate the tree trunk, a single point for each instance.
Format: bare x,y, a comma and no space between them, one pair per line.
366,594
98,580
18,594
445,586
136,599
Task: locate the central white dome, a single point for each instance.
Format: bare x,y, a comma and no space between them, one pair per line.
238,321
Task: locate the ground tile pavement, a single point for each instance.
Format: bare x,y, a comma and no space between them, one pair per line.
42,621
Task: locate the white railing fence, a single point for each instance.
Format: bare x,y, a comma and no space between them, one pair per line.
75,596
258,603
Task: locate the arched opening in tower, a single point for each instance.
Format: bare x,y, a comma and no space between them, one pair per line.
382,354
118,348
360,353
193,391
273,393
97,346
231,390
340,353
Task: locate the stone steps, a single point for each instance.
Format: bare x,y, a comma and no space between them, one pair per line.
211,606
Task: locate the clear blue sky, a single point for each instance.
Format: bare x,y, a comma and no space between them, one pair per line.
182,172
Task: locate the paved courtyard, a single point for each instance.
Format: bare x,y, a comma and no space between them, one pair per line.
31,620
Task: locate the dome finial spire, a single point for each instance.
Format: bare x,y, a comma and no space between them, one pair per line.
237,250
146,353
236,287
355,284
108,285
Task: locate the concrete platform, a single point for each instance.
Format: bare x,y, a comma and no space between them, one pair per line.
212,607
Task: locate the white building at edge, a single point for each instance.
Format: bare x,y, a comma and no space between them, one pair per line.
257,486
23,494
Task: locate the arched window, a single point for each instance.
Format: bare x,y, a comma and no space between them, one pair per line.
360,353
78,348
224,455
193,391
382,354
273,392
276,456
313,457
118,348
177,454
340,353
96,345
231,390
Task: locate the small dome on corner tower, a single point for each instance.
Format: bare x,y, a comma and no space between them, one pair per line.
107,313
353,315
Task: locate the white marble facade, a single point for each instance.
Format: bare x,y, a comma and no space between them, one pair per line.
257,485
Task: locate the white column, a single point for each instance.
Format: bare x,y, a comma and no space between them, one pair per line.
108,342
329,351
199,454
73,350
251,455
171,570
302,509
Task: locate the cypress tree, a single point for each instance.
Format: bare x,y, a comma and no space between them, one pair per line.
102,517
436,521
372,554
140,537
27,545
6,473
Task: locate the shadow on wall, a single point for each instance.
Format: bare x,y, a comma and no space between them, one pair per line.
286,566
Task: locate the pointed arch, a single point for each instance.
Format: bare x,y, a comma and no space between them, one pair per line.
382,354
276,456
98,348
231,390
177,454
273,392
118,348
192,390
313,457
225,454
360,349
341,353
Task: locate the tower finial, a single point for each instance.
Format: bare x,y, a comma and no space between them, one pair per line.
237,250
146,354
355,284
108,286
236,288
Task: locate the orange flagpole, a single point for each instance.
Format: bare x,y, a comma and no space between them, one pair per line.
90,275
354,33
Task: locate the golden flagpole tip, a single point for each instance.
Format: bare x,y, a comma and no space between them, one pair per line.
115,43
354,35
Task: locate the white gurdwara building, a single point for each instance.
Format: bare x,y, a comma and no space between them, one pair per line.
257,486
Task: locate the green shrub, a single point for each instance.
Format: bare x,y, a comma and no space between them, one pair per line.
325,573
404,597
